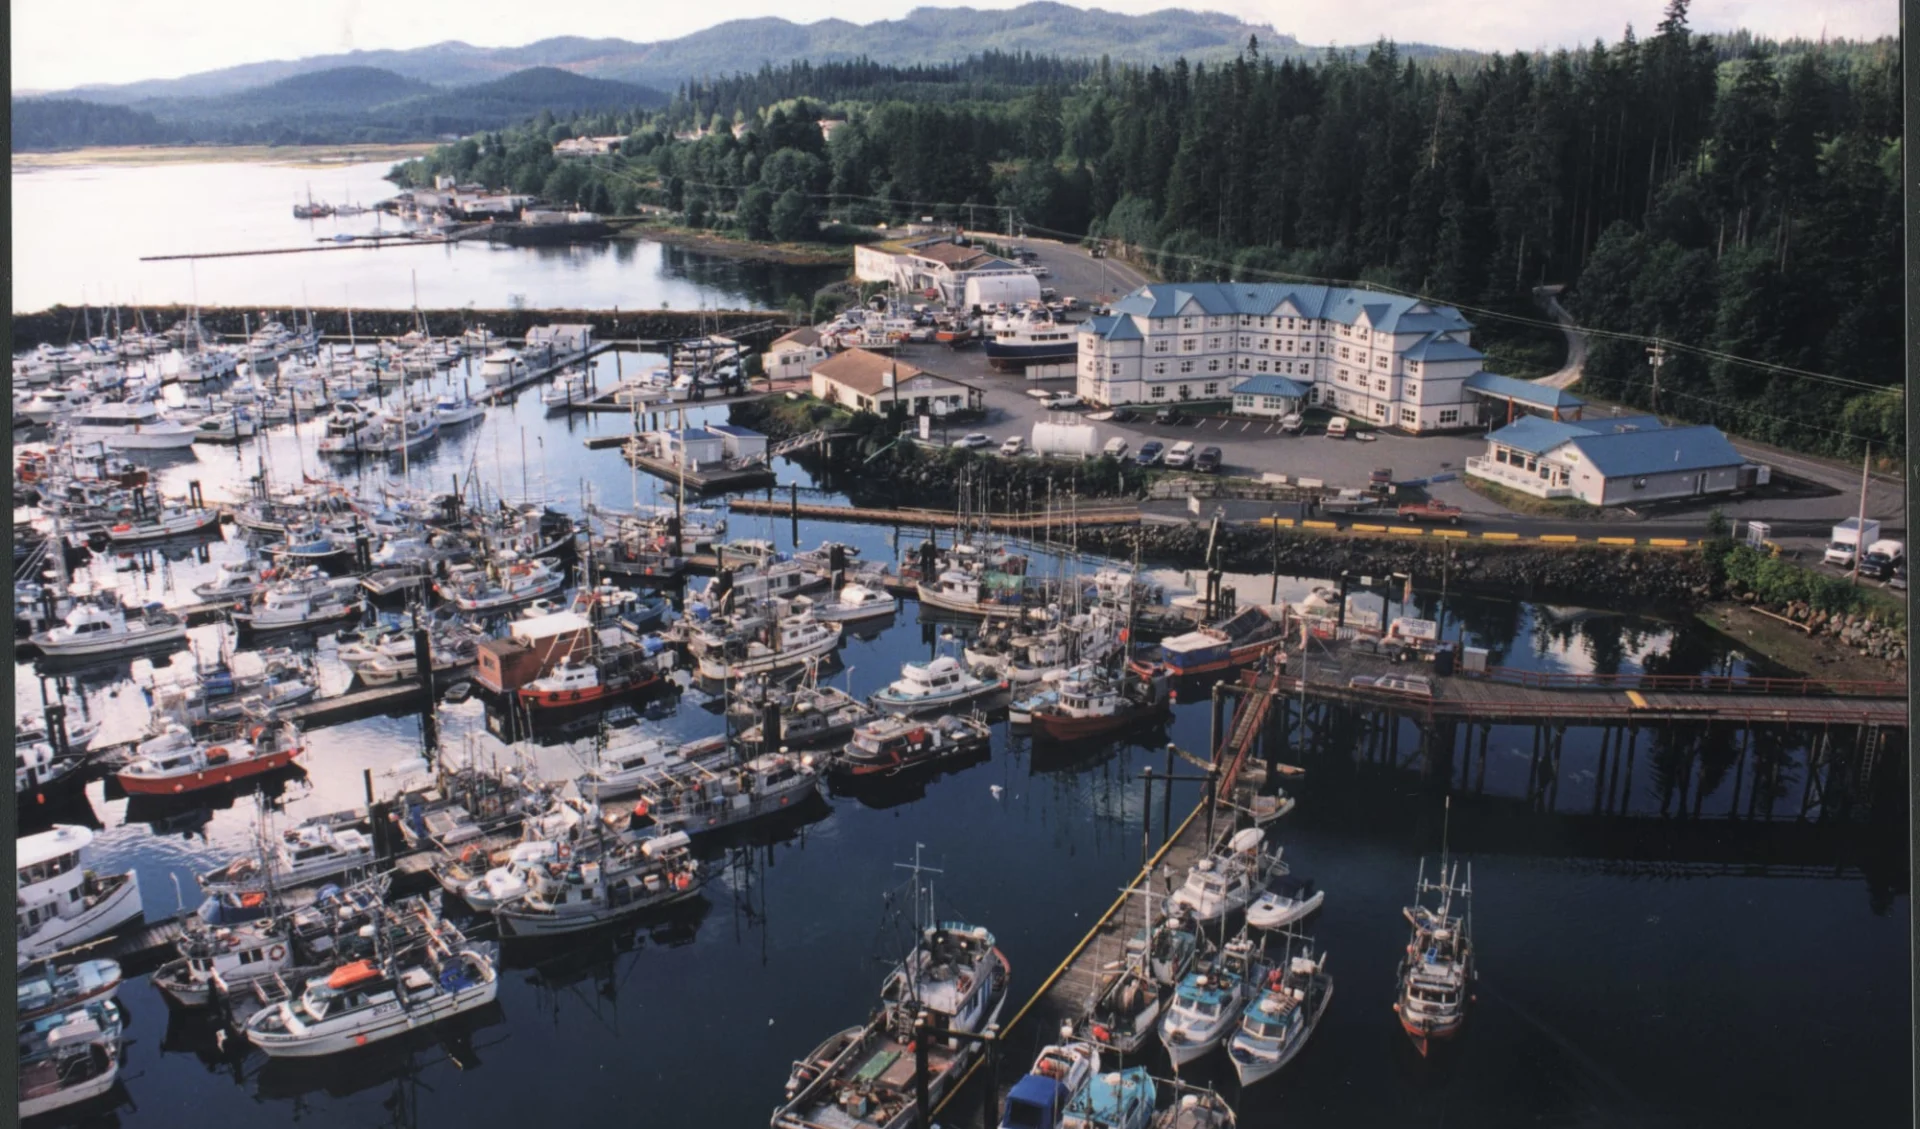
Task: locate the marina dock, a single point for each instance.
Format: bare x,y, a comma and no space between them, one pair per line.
371,700
940,519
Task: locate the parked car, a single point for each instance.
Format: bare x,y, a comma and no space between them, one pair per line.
1180,455
1291,422
1881,557
1124,415
1149,452
1207,461
1012,446
1380,478
1063,400
973,440
1168,415
1116,448
1337,427
1430,510
1413,685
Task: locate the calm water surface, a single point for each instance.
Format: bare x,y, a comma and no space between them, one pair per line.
1616,988
79,235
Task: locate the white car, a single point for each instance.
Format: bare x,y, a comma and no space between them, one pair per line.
973,440
1012,446
1064,400
1116,448
1291,422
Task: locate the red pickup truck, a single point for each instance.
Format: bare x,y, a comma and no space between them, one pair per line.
1430,510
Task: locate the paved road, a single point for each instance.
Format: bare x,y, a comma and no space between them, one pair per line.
1576,365
1072,271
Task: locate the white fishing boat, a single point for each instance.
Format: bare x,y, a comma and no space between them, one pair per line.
1206,1006
222,957
855,603
593,889
100,627
626,768
1228,879
404,431
1059,1073
503,367
229,426
512,581
1437,973
299,856
1291,899
59,903
368,1000
932,686
785,645
968,593
566,389
69,1058
705,800
1281,1017
302,601
48,988
169,521
50,404
131,426
40,772
349,430
235,581
454,409
1120,1100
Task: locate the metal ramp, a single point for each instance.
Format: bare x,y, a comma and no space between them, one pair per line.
1248,717
784,447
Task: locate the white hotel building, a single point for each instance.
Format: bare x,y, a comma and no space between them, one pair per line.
1382,358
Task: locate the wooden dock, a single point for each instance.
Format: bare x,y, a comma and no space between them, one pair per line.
939,519
372,700
712,481
500,393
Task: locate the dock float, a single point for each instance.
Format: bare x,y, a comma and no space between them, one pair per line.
938,519
372,700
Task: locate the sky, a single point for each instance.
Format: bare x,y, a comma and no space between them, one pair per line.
58,44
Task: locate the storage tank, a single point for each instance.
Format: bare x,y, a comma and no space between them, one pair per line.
1065,440
992,289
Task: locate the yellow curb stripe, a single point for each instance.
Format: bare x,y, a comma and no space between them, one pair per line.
1449,533
1560,538
1499,537
1616,540
1359,528
1402,531
1318,525
1668,542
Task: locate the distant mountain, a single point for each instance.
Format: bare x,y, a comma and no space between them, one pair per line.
924,35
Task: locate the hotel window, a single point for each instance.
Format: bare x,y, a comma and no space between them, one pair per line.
1409,417
1159,392
1451,415
1313,394
1159,368
1380,411
1323,346
1262,366
1413,366
1186,323
1287,344
1413,392
1246,342
1212,389
1380,361
1213,364
1186,392
1245,320
1263,343
1213,343
1189,344
1379,386
1186,366
1247,363
1341,376
1343,353
1160,345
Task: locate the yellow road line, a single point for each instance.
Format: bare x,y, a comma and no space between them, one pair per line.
1271,521
1560,538
1499,537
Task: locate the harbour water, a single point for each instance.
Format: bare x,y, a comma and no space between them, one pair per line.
1621,983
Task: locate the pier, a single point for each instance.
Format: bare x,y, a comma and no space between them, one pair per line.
941,519
372,700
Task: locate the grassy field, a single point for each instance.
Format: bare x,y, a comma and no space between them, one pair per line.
298,156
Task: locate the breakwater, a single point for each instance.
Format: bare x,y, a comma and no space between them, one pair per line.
61,325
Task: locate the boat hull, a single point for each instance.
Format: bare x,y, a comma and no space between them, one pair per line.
1060,727
586,696
118,908
180,783
124,644
397,1022
516,924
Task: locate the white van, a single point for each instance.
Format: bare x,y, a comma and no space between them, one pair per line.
1179,455
1337,427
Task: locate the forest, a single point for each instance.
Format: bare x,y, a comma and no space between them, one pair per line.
1735,200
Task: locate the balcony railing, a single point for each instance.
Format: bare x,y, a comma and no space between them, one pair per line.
1516,477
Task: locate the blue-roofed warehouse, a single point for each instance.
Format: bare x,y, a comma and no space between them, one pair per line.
1612,461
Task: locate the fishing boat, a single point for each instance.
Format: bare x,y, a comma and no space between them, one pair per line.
1437,973
175,762
103,626
703,800
1246,637
218,958
1092,703
1281,1017
503,368
69,1058
455,409
1059,1073
932,686
59,904
369,1000
47,988
890,745
1123,1099
585,682
227,426
301,601
235,581
625,768
514,581
42,774
300,855
1289,900
1030,338
1229,878
1194,1108
349,430
864,1076
855,603
169,521
582,889
787,644
1206,1005
815,715
402,431
1172,946
565,390
972,594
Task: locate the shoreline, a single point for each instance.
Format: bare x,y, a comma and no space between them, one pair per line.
1784,645
295,156
707,243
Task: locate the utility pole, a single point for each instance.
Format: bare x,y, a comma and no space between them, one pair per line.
1860,530
1656,356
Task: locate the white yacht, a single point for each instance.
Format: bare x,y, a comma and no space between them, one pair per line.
855,603
404,431
1228,879
788,644
503,367
566,389
59,903
349,430
367,1001
931,687
105,627
453,409
301,855
131,426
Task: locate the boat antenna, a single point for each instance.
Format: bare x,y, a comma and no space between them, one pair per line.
1446,819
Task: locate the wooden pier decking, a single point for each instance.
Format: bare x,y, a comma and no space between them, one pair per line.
374,699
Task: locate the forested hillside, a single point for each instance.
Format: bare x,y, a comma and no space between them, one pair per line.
1738,200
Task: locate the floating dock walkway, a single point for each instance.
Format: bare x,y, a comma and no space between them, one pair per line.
940,519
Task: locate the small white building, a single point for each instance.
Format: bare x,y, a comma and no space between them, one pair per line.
1611,461
739,442
1268,396
542,216
937,267
562,339
793,355
694,448
870,382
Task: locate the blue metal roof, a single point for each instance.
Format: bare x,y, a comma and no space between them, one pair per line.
1434,347
1263,299
1269,386
1628,453
1522,391
1535,435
